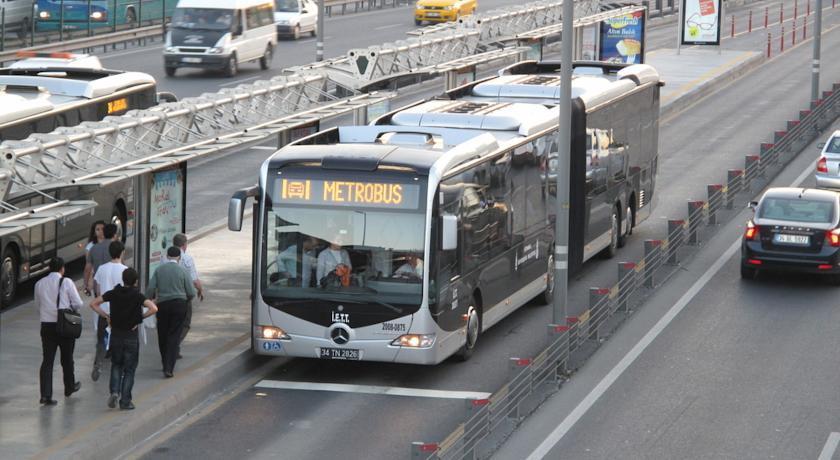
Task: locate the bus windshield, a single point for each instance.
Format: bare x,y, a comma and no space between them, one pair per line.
362,252
202,19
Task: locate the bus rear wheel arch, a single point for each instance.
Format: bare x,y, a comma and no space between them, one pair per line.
9,274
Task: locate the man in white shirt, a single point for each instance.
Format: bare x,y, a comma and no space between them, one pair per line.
287,261
107,277
329,259
46,295
413,267
188,263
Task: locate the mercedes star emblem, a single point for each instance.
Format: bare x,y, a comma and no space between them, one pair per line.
340,335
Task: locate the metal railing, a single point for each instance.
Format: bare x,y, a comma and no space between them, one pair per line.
488,422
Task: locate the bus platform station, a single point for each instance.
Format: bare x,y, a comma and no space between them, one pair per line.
216,353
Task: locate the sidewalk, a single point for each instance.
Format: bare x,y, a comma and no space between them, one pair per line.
216,353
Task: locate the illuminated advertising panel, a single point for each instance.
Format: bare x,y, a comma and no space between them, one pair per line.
622,39
701,22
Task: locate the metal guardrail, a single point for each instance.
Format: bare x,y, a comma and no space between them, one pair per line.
487,422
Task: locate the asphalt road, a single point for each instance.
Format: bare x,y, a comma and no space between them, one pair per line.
696,148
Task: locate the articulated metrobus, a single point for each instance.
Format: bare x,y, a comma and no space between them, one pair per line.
403,240
40,100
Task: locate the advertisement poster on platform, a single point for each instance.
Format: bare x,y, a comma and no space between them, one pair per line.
701,22
167,212
622,39
589,43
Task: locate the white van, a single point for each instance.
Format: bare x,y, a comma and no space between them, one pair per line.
220,34
294,17
18,16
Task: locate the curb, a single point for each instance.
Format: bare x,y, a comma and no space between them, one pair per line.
690,98
116,431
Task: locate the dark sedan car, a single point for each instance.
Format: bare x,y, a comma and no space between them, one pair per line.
793,229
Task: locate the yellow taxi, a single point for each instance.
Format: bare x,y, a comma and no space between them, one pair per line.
442,10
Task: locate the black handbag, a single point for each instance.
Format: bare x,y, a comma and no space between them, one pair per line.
69,324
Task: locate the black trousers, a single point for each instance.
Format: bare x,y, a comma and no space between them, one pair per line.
50,342
170,323
99,357
187,321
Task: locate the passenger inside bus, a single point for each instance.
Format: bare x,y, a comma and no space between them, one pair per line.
334,262
287,261
412,268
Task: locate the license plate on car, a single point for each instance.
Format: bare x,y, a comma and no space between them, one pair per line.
433,15
349,354
191,60
791,239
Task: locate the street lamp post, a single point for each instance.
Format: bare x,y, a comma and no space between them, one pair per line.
319,46
564,131
815,65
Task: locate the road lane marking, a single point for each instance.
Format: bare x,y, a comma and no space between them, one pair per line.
583,407
390,26
263,147
830,446
236,82
117,53
371,390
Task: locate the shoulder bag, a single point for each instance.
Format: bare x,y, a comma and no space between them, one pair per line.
69,324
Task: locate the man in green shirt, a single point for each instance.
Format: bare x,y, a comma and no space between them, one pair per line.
170,288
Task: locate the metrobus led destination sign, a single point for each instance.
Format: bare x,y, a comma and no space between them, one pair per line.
348,193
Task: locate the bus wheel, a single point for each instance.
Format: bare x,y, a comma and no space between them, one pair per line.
615,230
232,66
548,294
627,226
8,277
473,331
268,56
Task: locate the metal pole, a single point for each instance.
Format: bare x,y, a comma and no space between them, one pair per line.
564,144
61,21
815,65
319,46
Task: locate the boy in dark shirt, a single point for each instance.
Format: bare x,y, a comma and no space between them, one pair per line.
126,316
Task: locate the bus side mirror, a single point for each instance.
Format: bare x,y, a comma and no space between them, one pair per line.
236,207
449,239
752,205
237,30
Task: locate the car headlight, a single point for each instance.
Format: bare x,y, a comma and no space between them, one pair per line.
283,22
44,14
216,50
414,341
271,333
97,16
170,49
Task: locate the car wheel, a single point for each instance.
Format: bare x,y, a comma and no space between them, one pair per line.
418,22
314,32
610,251
473,330
8,277
170,71
834,280
232,67
296,33
748,273
268,56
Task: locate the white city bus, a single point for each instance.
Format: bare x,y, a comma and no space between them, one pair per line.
403,240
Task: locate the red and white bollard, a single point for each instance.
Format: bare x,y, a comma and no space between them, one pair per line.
782,41
733,26
768,44
781,14
749,24
793,33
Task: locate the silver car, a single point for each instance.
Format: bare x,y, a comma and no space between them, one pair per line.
828,166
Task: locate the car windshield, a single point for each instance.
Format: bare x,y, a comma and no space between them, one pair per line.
202,19
833,145
797,210
287,6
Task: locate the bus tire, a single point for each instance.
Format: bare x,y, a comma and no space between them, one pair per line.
8,276
627,218
130,16
548,295
615,230
232,67
170,71
267,57
473,331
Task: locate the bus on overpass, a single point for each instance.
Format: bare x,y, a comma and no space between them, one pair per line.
403,240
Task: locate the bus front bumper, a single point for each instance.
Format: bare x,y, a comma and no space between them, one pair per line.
368,350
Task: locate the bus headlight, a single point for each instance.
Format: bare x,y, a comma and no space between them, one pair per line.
97,16
44,14
414,340
271,333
